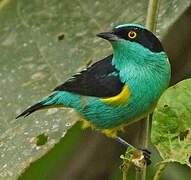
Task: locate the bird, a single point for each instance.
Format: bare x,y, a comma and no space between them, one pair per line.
118,90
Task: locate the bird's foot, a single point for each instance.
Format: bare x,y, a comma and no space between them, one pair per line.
147,155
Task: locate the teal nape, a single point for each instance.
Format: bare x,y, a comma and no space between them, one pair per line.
120,89
126,25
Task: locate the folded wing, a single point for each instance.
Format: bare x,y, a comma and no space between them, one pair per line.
99,80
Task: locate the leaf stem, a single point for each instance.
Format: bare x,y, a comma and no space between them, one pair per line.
159,171
146,141
124,175
143,139
151,19
152,15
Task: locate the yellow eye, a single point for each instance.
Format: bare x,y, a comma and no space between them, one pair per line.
132,34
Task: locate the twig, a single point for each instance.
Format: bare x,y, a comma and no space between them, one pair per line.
152,15
124,175
143,139
152,12
159,171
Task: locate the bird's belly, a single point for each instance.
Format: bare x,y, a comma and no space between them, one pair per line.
103,115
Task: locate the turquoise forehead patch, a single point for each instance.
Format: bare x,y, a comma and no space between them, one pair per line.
127,25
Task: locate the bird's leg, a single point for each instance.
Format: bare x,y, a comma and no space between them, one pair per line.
145,152
122,141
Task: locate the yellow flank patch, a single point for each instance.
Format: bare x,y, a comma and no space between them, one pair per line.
86,123
119,99
168,61
110,132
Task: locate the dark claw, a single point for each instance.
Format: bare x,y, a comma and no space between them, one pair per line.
147,156
146,150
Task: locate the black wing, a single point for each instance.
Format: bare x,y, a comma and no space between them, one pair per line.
99,80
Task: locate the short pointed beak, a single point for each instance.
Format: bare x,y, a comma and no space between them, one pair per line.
110,36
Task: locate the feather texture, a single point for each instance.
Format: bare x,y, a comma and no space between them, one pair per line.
99,80
121,88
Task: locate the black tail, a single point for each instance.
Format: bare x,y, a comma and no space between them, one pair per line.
49,102
31,110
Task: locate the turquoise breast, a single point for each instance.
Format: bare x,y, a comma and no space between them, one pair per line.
146,84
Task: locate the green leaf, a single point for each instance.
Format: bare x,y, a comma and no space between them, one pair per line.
171,124
42,44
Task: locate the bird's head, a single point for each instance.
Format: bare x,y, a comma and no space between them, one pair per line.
132,37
